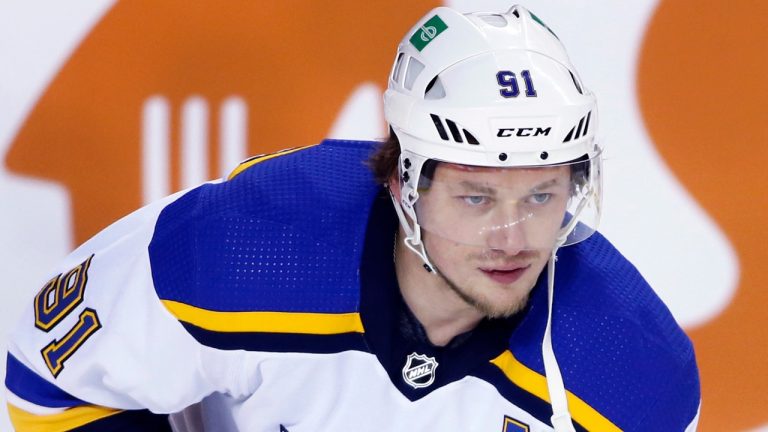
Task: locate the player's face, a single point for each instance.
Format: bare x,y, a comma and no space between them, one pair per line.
489,232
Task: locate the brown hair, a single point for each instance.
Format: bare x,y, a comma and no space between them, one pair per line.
383,162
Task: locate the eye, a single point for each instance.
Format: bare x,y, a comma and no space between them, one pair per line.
475,200
539,198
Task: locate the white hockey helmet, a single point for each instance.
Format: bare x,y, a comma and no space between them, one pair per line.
491,90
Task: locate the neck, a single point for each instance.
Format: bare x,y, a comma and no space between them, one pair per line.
441,312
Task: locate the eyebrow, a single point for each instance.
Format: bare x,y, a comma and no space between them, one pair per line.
545,185
477,187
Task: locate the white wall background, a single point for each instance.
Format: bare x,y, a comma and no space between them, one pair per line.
644,204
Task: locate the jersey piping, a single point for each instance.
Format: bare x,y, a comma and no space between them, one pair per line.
536,384
269,322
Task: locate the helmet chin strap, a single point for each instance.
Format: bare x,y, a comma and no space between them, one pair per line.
412,235
561,416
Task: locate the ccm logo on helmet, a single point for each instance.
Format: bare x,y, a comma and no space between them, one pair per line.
523,132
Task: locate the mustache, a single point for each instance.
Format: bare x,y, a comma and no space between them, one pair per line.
502,257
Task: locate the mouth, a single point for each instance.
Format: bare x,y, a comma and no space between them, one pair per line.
505,275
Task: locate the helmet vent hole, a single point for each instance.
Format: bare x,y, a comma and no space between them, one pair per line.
412,72
470,138
454,131
397,68
435,89
579,130
576,83
439,126
586,125
544,155
494,20
502,157
515,13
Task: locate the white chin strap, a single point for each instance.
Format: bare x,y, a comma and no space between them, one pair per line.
412,235
561,416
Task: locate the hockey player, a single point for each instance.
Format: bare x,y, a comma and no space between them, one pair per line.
461,286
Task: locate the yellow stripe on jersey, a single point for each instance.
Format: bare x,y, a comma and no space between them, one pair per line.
261,158
271,322
536,384
71,418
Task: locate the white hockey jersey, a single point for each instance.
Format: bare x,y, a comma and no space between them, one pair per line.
268,302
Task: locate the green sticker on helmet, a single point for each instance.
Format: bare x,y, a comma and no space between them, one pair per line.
428,32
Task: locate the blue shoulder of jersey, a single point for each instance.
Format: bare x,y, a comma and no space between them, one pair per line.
626,363
274,250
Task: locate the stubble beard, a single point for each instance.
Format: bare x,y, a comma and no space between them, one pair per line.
476,300
484,305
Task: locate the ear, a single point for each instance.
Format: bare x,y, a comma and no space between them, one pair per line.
394,187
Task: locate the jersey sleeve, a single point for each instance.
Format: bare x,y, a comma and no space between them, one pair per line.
95,347
678,402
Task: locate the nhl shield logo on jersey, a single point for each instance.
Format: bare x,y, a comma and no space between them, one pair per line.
419,370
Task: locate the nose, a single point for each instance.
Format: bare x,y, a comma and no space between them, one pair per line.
507,232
